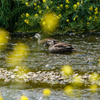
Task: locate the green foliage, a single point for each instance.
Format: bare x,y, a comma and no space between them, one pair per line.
73,15
10,11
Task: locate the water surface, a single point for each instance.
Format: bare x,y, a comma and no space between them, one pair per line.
84,60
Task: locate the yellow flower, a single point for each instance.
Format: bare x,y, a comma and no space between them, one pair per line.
66,6
40,12
27,14
96,9
22,16
36,15
34,8
67,20
46,92
96,17
41,19
44,1
38,6
75,6
60,15
91,8
35,4
90,18
81,1
78,3
26,21
27,3
58,7
96,12
75,17
51,2
47,7
67,1
44,23
88,23
61,5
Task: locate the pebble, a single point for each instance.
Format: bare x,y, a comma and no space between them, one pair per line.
50,77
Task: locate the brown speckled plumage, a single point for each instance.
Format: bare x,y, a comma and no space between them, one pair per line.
59,47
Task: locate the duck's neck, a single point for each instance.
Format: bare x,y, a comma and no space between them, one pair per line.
51,45
39,39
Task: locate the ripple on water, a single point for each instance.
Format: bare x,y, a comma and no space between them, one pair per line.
84,60
87,54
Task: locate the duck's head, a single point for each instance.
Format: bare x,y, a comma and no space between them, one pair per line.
37,35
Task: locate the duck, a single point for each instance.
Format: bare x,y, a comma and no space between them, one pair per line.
44,41
59,47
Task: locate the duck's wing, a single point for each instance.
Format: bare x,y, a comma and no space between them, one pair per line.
63,46
47,39
43,41
54,40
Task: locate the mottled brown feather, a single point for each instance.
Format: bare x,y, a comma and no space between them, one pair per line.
59,47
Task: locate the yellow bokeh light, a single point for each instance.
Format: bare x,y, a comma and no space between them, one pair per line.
21,70
77,81
4,37
94,77
67,70
23,97
68,90
93,88
1,98
51,22
27,15
20,51
46,92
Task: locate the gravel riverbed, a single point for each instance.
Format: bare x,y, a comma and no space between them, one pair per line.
49,77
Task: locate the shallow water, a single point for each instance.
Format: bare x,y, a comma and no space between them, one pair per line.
84,60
